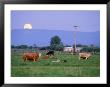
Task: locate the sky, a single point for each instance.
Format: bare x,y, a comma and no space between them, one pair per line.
87,21
48,23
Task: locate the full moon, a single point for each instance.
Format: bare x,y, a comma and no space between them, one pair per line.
28,26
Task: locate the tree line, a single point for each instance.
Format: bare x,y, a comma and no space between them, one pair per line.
57,44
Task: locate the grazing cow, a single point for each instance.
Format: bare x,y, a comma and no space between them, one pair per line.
50,53
31,56
84,55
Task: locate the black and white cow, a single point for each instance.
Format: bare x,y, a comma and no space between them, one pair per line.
49,53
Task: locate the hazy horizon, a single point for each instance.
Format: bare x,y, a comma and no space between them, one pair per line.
43,37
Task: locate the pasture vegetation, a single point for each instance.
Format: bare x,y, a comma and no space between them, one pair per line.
46,68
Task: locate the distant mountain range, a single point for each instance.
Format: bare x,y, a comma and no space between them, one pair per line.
43,37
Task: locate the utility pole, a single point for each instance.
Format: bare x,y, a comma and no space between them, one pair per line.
74,46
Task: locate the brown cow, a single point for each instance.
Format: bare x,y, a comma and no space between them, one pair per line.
31,56
84,55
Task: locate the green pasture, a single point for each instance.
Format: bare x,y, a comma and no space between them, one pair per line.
46,68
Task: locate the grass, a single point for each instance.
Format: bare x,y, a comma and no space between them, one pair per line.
45,68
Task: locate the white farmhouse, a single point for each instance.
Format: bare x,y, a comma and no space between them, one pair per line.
78,49
70,49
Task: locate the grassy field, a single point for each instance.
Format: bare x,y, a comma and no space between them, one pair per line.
46,68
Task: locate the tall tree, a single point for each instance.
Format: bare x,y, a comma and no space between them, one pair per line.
55,40
56,44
